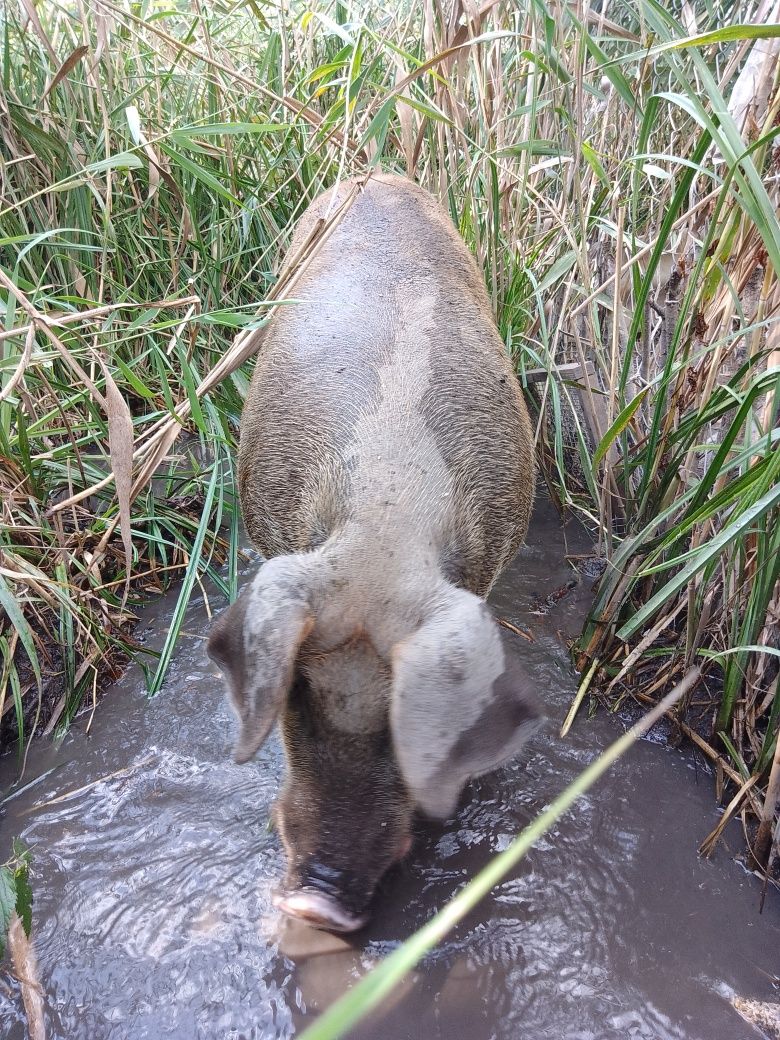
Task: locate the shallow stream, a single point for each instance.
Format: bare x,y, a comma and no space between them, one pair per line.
154,866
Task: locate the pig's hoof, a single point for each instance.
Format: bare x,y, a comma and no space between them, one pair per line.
319,910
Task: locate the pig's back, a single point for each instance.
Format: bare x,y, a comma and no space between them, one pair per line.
385,402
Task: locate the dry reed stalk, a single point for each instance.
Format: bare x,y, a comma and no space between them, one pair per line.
154,447
767,822
25,965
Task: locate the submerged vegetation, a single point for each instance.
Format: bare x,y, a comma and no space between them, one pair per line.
615,168
15,892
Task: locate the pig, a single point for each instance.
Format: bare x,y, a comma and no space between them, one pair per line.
386,475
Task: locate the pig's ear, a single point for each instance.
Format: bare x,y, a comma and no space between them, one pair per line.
461,704
255,643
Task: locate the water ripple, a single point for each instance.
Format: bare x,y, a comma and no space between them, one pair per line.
154,865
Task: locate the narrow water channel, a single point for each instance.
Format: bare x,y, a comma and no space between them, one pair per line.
154,867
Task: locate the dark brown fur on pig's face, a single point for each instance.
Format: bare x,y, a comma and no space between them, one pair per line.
344,815
386,469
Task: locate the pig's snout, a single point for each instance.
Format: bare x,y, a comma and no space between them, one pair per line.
316,895
319,895
320,910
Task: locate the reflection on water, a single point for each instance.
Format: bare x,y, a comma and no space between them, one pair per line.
154,866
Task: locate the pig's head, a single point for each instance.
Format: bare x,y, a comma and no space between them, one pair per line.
454,705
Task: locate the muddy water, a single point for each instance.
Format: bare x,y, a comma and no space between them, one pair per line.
154,868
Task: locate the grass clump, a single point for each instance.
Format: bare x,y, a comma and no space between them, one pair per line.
613,166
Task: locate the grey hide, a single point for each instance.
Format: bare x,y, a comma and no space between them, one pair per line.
386,472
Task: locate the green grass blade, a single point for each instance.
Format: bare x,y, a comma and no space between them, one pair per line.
187,583
705,554
375,986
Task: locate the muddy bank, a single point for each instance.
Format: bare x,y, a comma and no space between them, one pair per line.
154,867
